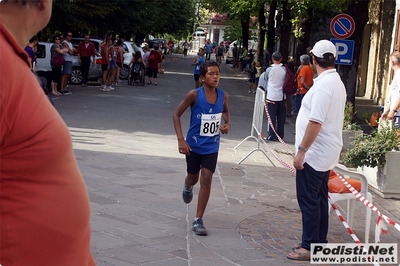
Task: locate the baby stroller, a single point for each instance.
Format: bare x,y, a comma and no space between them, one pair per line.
136,74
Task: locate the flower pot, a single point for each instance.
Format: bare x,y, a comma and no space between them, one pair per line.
385,181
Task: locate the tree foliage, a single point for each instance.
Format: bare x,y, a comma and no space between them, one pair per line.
128,18
313,11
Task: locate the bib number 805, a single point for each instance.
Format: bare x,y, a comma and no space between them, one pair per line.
211,128
210,125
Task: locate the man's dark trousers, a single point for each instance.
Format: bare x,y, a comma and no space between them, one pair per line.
312,196
277,112
85,68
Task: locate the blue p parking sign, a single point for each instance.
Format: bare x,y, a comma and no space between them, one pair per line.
345,50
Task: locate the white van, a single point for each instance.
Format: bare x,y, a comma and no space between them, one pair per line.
229,53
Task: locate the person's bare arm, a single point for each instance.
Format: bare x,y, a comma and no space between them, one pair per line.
226,116
390,113
303,83
189,100
310,135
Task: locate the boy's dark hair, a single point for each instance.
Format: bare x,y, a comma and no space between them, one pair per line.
327,61
204,67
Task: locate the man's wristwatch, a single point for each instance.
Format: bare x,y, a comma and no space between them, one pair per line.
394,111
301,148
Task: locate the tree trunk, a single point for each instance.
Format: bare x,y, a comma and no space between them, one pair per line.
245,30
358,10
261,34
286,27
271,26
304,41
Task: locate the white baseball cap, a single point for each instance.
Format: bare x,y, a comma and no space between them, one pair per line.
322,47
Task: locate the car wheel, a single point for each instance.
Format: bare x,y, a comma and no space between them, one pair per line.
123,74
76,76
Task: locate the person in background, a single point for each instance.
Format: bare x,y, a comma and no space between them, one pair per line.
106,65
146,54
185,49
252,78
318,144
45,208
243,59
31,50
56,49
235,56
220,52
209,105
154,61
119,58
392,105
86,50
208,49
67,67
171,46
304,82
197,62
113,64
271,80
259,72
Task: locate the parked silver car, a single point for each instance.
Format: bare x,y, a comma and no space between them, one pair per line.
43,67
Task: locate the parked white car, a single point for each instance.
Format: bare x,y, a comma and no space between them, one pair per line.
229,52
130,49
43,67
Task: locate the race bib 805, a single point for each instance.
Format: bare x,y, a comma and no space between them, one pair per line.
210,124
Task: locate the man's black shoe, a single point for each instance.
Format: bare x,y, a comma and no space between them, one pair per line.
272,139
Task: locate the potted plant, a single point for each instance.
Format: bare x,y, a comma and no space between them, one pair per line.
350,129
377,156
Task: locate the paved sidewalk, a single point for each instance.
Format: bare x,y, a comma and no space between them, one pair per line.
135,181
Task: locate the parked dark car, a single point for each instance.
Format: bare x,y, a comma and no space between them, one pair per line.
162,44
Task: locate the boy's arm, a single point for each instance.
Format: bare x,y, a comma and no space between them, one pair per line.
194,61
226,116
189,100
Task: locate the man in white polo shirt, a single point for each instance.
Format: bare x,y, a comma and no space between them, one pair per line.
318,145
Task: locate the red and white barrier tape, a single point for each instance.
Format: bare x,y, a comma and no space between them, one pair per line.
380,227
349,230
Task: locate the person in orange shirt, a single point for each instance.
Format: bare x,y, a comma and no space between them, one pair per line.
304,82
44,204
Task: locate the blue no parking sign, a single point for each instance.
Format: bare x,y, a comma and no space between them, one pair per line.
345,50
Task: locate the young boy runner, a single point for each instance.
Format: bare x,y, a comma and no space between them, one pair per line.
208,105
